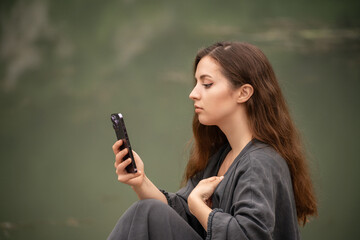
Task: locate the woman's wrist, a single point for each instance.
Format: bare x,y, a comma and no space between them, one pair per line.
199,209
142,187
147,190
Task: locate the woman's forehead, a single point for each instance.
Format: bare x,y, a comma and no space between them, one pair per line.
207,66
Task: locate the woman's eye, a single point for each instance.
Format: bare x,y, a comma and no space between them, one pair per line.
207,85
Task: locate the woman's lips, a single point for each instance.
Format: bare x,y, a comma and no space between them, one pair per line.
198,109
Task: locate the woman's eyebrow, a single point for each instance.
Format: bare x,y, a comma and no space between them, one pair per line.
203,76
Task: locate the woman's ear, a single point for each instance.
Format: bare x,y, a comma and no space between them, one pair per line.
245,92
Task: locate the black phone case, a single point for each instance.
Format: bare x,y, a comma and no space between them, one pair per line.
121,133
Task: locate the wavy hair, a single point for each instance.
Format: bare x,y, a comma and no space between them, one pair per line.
269,118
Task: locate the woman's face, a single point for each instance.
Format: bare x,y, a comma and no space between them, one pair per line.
214,99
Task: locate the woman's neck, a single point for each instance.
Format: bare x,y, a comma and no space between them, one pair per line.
237,132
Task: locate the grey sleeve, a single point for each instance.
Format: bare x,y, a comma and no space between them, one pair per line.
178,201
252,214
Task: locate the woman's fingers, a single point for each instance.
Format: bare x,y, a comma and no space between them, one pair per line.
206,187
120,156
122,160
212,179
116,146
128,177
123,175
120,168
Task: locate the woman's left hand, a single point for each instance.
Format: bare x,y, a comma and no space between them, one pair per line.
199,200
205,189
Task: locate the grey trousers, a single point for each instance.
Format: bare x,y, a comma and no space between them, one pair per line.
152,219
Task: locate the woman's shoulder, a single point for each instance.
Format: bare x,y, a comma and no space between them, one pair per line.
262,155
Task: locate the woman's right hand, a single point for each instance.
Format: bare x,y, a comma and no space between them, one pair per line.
143,187
132,179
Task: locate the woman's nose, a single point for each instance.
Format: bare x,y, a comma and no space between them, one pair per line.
194,94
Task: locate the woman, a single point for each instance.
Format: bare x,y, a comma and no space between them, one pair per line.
247,176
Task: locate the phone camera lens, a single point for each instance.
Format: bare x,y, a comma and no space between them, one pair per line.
114,119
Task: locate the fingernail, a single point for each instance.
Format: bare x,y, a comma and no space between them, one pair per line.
221,178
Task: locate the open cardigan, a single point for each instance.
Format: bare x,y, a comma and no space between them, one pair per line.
255,200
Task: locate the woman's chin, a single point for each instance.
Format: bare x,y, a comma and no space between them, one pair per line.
205,121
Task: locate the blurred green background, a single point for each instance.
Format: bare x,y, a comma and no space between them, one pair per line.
65,66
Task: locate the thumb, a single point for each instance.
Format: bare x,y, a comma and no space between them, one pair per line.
220,178
217,180
212,180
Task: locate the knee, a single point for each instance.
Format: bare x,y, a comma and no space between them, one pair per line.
149,208
141,208
152,204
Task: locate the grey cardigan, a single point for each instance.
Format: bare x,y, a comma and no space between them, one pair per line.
255,199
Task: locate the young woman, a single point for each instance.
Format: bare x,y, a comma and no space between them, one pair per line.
247,176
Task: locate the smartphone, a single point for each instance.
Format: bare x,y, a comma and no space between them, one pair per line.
121,133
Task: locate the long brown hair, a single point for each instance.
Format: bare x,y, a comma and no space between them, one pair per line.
269,118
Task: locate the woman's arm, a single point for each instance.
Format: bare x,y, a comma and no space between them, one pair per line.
200,210
143,187
148,190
